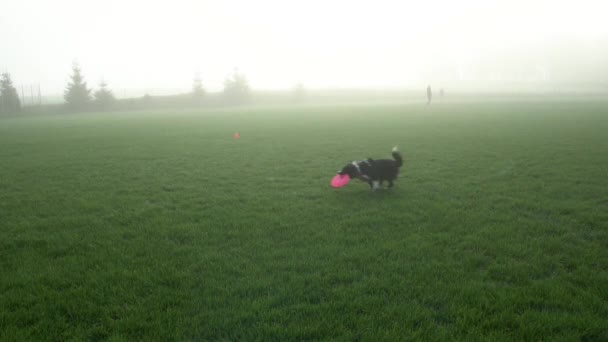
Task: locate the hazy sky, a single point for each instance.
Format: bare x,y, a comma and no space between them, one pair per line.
321,43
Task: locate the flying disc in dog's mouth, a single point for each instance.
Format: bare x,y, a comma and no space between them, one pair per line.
339,181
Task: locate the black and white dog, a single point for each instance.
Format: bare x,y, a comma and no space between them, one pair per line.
374,172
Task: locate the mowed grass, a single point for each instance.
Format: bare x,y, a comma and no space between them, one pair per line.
161,226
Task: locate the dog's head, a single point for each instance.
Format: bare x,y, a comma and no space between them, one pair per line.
356,169
351,170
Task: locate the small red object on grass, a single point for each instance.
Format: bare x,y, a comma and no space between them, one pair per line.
339,181
237,135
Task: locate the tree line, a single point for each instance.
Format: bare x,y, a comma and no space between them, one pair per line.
79,96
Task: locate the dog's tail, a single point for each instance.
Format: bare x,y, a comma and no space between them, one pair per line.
397,156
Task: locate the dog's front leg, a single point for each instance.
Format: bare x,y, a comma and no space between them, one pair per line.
375,185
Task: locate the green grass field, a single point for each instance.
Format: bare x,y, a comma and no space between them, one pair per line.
161,226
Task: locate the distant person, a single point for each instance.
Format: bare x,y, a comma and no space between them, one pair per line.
441,93
429,94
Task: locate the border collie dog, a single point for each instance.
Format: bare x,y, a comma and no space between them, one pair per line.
374,172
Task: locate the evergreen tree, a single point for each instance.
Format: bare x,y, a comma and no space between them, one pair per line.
299,92
103,96
236,88
9,100
77,95
198,92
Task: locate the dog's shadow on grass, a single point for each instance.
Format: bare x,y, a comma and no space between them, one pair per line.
365,194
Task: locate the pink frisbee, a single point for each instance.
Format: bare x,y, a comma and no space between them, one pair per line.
339,181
